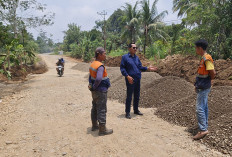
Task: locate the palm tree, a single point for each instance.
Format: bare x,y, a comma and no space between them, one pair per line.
132,19
184,6
151,21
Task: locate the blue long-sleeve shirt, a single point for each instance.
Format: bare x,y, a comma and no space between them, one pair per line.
132,66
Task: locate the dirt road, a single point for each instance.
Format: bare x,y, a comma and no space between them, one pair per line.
51,117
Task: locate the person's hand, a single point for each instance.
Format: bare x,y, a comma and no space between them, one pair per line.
212,83
196,90
130,79
152,68
90,86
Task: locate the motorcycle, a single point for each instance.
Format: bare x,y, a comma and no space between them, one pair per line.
60,70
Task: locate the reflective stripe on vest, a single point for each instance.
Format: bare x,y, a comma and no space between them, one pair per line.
104,78
202,76
93,70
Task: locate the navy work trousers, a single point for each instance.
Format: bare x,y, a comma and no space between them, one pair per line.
132,88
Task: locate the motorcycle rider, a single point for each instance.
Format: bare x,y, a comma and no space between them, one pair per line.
60,63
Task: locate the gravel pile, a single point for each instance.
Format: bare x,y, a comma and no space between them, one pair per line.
165,90
81,66
175,98
183,112
117,91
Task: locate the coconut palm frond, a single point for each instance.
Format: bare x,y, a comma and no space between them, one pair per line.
184,6
154,9
134,21
160,17
152,26
134,10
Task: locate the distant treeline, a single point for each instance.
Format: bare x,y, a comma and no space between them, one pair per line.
141,23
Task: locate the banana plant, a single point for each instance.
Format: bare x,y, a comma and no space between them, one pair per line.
19,51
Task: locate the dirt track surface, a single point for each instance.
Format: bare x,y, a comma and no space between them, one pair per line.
51,117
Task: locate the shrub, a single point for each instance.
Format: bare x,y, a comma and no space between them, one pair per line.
117,52
76,51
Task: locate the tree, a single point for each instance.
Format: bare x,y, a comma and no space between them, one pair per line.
132,22
116,21
72,35
19,15
210,20
4,4
5,35
151,21
175,35
183,7
31,48
95,35
45,44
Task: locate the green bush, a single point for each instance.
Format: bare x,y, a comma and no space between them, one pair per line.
158,50
87,56
118,52
88,51
76,50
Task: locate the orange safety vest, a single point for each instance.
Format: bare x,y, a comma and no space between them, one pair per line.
93,70
202,72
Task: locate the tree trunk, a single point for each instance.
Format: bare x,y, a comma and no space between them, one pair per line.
111,46
25,58
3,66
145,42
131,35
134,40
14,17
8,59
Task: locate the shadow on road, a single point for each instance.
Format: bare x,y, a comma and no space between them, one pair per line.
93,133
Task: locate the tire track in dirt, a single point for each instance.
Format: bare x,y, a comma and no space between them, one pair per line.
51,117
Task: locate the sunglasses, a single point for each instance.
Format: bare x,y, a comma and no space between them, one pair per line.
135,48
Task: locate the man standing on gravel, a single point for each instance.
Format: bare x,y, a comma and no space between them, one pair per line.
98,85
131,68
205,74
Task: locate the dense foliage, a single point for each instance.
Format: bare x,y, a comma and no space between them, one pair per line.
141,23
211,20
17,45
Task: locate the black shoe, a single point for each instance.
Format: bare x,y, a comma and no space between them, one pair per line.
128,116
138,113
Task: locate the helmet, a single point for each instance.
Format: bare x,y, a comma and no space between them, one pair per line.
61,60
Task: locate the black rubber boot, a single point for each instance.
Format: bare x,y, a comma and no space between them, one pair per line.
104,131
95,126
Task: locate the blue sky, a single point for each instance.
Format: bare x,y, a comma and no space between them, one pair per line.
84,13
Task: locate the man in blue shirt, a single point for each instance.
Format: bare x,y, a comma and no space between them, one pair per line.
131,68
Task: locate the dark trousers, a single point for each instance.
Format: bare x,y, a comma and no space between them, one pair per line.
133,88
99,109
